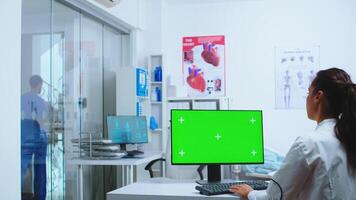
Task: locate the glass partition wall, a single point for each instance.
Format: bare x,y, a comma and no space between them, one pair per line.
68,73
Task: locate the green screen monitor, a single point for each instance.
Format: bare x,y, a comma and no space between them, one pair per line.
216,137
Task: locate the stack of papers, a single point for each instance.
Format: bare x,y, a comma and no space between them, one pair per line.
99,148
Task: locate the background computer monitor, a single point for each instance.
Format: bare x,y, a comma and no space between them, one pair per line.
127,129
216,137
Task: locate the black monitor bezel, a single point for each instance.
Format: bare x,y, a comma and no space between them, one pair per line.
127,116
217,163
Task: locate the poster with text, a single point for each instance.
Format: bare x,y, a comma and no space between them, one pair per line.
204,65
295,70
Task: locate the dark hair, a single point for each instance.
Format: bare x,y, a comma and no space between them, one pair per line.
35,81
340,94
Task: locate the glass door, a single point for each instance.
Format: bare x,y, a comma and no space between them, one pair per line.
112,60
56,131
50,71
66,115
68,73
91,100
36,99
91,84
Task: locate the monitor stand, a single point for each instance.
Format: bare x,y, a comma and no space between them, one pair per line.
123,147
214,175
130,154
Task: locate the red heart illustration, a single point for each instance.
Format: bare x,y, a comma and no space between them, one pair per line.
210,54
196,79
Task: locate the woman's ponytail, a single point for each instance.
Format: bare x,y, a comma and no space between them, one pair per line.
346,123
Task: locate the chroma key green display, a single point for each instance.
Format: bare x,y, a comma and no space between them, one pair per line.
217,137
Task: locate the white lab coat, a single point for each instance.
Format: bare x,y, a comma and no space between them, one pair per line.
314,168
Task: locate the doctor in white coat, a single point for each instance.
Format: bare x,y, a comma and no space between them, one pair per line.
323,165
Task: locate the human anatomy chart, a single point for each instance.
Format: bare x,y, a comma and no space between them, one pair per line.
204,65
295,70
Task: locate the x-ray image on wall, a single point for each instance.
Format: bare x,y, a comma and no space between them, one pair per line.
295,70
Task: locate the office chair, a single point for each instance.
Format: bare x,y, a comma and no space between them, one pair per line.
183,171
150,164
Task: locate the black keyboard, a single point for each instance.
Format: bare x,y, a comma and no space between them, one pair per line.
223,188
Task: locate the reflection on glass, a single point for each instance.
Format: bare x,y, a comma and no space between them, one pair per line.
34,112
63,64
46,56
35,100
65,94
112,59
92,77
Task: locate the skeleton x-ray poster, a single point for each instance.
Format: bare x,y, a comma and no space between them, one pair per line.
204,65
295,70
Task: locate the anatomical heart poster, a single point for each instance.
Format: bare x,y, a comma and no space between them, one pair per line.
204,65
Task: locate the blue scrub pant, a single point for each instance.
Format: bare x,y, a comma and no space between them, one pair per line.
38,149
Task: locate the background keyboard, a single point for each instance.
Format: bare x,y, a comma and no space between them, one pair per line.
223,188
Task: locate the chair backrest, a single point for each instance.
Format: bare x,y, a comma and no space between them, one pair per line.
179,171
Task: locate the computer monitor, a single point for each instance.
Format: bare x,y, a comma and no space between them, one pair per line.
127,129
216,137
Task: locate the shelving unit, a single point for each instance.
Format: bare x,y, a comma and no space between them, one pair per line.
156,102
156,83
157,108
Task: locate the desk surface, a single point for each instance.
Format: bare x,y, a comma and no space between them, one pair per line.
138,160
163,189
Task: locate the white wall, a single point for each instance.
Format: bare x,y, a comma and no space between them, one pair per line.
252,29
145,17
10,53
149,35
126,10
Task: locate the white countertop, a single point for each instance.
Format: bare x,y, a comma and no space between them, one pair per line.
137,160
163,189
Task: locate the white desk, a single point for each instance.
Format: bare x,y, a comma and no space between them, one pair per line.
163,189
126,163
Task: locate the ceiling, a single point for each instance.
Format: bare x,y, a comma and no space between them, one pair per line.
204,1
